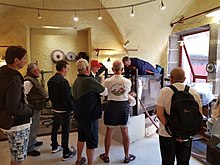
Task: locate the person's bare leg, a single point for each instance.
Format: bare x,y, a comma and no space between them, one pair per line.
126,140
15,163
108,140
90,155
80,146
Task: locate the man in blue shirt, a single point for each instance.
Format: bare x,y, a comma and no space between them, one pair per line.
143,67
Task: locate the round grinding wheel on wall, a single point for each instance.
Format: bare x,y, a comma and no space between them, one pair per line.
70,56
57,55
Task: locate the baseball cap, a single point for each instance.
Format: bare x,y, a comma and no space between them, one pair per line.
95,63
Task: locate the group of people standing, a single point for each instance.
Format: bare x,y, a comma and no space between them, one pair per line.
24,98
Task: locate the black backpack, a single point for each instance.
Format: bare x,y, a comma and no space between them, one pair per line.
185,118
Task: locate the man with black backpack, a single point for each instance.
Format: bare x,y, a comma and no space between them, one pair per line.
179,110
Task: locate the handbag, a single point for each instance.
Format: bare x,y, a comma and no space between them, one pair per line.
6,119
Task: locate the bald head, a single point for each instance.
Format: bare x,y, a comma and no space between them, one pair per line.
177,75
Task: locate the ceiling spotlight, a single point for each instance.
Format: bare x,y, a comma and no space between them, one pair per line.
132,11
38,14
75,17
126,44
162,6
99,17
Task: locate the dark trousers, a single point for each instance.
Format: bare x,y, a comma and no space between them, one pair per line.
170,148
61,119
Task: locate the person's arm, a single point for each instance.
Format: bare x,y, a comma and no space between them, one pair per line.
97,87
160,108
27,86
160,114
131,100
66,95
14,101
104,93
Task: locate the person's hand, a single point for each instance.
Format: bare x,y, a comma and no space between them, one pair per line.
132,93
131,67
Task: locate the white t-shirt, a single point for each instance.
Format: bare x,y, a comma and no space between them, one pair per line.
118,89
164,100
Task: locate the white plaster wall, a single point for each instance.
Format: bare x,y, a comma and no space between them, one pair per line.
44,41
16,22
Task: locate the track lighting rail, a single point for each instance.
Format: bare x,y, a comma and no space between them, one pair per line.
72,10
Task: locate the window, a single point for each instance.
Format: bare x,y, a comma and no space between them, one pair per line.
194,56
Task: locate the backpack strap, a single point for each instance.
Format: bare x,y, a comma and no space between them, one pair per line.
186,88
173,88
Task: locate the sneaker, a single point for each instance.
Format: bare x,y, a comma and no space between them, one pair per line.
57,149
33,153
39,143
72,153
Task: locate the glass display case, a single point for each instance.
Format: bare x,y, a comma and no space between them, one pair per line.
147,88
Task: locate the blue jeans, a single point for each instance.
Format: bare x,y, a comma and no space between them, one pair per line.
34,130
61,119
170,148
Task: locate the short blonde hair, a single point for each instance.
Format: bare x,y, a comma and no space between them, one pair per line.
81,65
117,65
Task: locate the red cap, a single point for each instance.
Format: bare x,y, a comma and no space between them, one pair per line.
95,63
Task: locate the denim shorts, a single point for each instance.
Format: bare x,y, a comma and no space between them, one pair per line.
18,143
88,132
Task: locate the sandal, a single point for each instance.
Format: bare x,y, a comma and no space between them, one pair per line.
129,159
104,158
81,162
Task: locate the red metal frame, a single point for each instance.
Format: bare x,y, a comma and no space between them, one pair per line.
190,64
